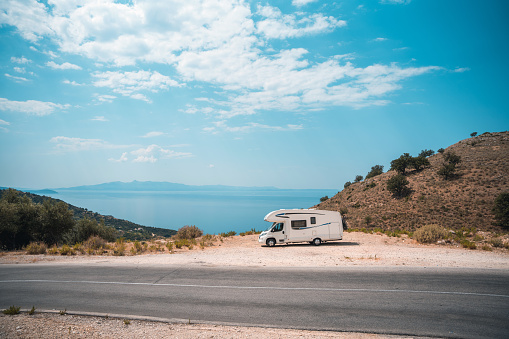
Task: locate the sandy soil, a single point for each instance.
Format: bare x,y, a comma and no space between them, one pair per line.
357,249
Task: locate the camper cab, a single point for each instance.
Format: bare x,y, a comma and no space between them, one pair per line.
300,225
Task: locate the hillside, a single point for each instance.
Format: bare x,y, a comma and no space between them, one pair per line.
127,229
464,201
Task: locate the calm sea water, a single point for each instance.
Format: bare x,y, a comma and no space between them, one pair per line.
213,212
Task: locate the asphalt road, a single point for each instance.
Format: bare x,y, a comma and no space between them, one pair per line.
462,303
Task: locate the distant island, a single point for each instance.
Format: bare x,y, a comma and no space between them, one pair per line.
161,186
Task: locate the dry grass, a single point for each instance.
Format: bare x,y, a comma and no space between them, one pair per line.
464,201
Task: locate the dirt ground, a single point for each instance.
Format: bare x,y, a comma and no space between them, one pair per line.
357,249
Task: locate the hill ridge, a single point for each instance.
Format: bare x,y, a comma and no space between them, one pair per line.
465,201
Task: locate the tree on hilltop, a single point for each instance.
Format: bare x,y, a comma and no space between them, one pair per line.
375,170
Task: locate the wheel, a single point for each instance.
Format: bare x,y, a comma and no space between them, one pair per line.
271,242
317,241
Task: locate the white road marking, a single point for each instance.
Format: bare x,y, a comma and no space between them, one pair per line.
322,289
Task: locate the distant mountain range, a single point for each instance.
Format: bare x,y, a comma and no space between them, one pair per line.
160,186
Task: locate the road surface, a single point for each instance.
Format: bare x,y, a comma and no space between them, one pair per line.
465,303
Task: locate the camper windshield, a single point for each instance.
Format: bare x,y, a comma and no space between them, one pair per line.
270,227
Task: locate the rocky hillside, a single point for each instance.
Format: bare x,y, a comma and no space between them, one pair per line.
463,201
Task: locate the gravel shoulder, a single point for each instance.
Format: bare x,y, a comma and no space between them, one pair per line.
357,249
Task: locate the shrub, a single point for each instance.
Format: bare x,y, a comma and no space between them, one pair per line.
441,150
53,250
12,310
473,134
358,178
501,209
228,234
429,234
32,311
347,184
36,248
419,163
468,244
325,198
497,242
189,232
375,170
398,185
169,246
67,250
94,243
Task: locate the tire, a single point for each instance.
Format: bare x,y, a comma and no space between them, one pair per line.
271,242
317,241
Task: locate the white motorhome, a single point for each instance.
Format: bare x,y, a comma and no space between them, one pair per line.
300,225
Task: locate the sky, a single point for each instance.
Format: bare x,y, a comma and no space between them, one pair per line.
292,94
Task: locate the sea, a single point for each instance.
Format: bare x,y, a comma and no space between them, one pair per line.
213,212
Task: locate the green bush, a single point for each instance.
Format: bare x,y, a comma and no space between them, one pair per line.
12,310
67,250
468,244
325,198
375,170
36,248
429,234
228,234
497,242
189,232
398,185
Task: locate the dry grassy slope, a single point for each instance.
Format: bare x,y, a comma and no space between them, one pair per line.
465,201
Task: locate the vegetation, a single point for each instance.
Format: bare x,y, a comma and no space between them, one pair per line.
13,310
448,169
375,170
126,229
325,198
501,209
358,178
429,234
228,234
473,134
398,185
347,184
189,232
32,311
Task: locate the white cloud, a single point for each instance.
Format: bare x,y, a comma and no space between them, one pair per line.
129,83
152,134
218,42
99,118
154,152
380,39
280,26
300,3
73,83
397,2
461,69
105,97
63,66
21,60
15,78
66,144
33,107
222,126
123,158
3,122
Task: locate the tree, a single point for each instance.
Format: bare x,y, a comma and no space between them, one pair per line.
426,153
473,134
375,170
501,209
325,198
418,163
441,150
448,169
358,178
347,184
398,185
57,220
401,164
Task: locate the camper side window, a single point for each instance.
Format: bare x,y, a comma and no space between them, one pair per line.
313,220
298,224
278,227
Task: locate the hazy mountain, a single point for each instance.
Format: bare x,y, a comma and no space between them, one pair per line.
161,186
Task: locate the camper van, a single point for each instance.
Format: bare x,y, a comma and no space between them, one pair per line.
301,225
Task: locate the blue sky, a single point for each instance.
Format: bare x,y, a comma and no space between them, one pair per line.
292,94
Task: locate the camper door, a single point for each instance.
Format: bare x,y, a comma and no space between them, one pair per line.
278,232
